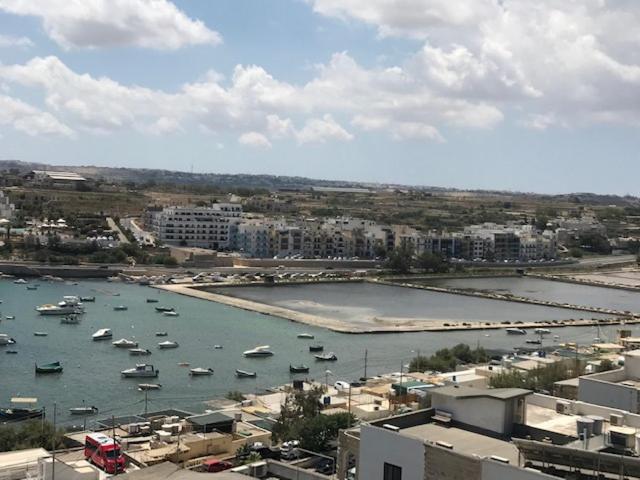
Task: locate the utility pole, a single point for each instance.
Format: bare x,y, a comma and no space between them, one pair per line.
53,456
366,352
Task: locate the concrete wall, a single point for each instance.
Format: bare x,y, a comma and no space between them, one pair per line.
487,413
378,445
444,464
309,263
615,395
291,472
492,470
632,364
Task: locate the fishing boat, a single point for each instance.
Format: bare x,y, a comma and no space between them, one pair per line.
19,411
70,320
120,308
102,334
140,370
162,334
515,331
298,369
171,314
124,343
258,352
40,334
11,352
139,351
149,386
164,309
152,300
6,340
168,344
327,357
53,367
83,410
316,348
306,335
245,374
88,299
533,342
32,287
198,371
542,331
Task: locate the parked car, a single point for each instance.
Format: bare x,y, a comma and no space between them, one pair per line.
214,465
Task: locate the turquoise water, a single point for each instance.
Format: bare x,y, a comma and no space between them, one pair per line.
92,369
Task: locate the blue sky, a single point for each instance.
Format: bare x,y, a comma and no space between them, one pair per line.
521,95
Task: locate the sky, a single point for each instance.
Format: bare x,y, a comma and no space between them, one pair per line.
527,95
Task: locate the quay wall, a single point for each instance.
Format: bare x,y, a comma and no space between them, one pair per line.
63,271
581,281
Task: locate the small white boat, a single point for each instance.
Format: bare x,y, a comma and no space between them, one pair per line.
10,317
327,357
102,334
40,334
120,308
198,371
171,314
149,386
515,331
6,339
83,410
542,331
217,347
262,351
306,335
124,343
20,281
139,351
140,370
168,344
245,374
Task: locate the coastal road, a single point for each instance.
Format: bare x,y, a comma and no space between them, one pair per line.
116,228
143,237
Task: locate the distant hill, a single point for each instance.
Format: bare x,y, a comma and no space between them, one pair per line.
150,177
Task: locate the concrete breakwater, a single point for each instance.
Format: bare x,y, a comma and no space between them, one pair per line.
62,271
384,324
510,298
567,278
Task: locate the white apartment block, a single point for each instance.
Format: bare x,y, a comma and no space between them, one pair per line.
211,227
7,209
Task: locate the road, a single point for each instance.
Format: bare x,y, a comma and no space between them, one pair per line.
144,237
116,228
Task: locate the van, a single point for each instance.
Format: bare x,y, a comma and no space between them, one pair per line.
104,452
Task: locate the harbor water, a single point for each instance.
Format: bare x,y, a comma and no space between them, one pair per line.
92,369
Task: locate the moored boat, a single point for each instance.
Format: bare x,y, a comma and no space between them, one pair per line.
162,334
139,351
10,317
140,370
40,334
168,344
164,309
18,411
533,342
306,335
542,331
20,281
152,300
171,314
149,386
83,410
32,287
102,334
53,367
70,320
11,352
120,308
124,343
88,299
6,340
198,371
245,374
316,348
298,369
258,352
515,331
327,357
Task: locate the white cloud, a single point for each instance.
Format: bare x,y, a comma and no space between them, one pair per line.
30,120
11,41
255,140
319,130
156,24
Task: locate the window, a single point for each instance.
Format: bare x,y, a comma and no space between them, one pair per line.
392,472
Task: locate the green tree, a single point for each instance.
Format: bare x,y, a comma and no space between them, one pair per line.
432,262
32,434
400,259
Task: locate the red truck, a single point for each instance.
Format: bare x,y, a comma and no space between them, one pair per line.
104,452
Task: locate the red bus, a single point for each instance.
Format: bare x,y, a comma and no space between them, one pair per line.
104,452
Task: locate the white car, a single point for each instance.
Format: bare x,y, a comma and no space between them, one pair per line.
341,386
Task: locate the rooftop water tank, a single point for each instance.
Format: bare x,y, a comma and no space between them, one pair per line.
585,426
598,421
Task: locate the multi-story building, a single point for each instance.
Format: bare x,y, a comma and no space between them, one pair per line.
7,209
213,227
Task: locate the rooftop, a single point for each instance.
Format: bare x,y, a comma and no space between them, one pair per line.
464,441
470,392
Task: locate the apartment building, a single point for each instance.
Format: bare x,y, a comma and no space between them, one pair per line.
7,209
213,227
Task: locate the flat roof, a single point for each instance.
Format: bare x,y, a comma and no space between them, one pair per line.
21,457
571,382
461,391
464,441
209,418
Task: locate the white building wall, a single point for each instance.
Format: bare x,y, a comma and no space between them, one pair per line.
608,394
378,445
487,413
492,470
